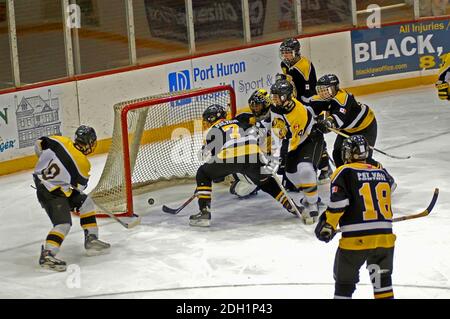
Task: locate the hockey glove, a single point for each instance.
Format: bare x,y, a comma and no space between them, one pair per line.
271,167
324,125
257,132
324,231
443,90
205,154
76,200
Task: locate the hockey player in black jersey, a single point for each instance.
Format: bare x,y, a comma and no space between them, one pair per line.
443,83
299,69
61,175
230,149
259,118
344,113
360,203
301,73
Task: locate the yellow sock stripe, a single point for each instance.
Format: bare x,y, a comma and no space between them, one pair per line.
389,294
310,193
54,243
62,236
204,188
306,185
279,196
284,201
89,226
88,214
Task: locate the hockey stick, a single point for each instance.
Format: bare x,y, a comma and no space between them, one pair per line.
134,223
291,202
423,213
175,211
124,224
375,149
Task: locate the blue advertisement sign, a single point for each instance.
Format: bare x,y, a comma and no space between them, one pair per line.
399,48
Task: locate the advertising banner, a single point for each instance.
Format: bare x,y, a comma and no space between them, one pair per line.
399,48
27,115
246,71
212,19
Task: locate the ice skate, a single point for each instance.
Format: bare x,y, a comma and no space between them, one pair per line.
310,212
94,246
291,210
202,219
325,176
48,261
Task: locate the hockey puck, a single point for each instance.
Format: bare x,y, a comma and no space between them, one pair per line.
151,201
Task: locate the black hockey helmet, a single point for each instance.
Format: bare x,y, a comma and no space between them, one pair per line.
327,86
259,103
290,45
85,139
355,148
213,113
283,89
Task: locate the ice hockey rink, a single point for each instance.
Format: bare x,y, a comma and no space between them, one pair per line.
253,249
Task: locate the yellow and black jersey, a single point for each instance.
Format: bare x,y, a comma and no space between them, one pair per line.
361,205
290,129
349,115
444,71
303,76
61,165
318,105
228,139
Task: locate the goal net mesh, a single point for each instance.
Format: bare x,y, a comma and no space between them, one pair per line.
164,137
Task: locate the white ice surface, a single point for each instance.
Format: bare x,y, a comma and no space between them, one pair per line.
253,248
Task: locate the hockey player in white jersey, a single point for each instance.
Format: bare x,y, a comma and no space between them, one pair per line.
297,143
61,175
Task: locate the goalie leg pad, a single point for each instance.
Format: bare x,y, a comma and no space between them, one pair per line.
242,186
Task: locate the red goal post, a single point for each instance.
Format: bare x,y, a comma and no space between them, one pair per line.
155,144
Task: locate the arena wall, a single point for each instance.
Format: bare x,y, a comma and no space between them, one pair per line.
90,99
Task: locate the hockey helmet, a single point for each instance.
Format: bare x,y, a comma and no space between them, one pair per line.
327,86
259,103
281,93
355,148
85,139
213,113
290,51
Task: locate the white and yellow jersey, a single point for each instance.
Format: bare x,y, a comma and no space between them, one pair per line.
61,165
290,128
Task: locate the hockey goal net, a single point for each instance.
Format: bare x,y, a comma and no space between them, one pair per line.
156,143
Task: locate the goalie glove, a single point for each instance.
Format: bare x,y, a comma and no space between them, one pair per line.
443,90
324,231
